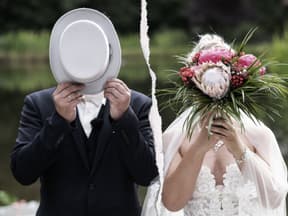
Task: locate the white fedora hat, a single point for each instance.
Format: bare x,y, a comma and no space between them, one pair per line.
84,48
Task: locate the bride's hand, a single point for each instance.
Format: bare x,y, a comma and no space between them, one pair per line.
229,133
202,140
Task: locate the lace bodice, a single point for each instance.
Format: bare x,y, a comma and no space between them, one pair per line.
210,199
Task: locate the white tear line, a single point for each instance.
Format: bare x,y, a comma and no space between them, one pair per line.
154,116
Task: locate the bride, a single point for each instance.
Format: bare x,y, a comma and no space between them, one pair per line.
246,176
234,172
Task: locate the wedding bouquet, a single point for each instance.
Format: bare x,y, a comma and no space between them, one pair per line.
224,82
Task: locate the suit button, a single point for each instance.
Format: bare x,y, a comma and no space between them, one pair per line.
113,131
91,186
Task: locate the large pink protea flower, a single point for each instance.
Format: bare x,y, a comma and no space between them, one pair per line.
212,79
215,55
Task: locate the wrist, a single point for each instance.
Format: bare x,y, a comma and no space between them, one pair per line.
238,151
236,148
115,116
199,149
241,155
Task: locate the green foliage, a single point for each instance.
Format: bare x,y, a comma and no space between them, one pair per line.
130,44
25,44
192,16
169,39
36,44
6,199
278,51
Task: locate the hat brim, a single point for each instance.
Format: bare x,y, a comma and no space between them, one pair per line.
114,64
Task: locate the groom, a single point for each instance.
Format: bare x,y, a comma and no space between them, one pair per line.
89,151
85,175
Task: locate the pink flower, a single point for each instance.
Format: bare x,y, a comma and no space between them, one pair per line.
186,73
215,55
237,80
195,58
247,60
262,71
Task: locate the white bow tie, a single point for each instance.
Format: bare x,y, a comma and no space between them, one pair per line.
88,110
97,99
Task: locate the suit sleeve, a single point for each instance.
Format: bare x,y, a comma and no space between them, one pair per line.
137,144
36,143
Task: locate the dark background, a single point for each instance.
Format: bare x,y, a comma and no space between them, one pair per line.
193,16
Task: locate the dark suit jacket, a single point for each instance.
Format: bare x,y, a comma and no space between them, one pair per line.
49,148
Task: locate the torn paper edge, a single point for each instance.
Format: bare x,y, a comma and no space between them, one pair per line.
154,116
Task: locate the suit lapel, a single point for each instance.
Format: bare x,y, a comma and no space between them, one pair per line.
103,136
80,143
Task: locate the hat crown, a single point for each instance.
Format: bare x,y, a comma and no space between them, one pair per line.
84,51
84,48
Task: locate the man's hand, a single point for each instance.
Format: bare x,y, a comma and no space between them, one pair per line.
117,92
66,97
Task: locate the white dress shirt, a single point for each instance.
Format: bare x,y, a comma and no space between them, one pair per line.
88,109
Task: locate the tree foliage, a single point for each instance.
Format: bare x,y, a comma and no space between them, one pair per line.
191,15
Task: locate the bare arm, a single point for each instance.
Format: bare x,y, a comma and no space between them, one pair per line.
180,180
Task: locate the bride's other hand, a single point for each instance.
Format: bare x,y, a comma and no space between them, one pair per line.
202,140
230,134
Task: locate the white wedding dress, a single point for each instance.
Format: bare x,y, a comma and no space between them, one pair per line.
259,189
210,199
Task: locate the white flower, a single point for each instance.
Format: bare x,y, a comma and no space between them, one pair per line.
213,79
